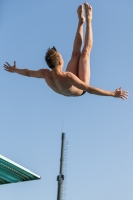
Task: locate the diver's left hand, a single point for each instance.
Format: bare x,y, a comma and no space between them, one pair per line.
121,93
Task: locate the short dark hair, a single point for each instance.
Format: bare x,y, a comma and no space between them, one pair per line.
52,57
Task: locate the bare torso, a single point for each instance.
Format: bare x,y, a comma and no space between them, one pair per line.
58,82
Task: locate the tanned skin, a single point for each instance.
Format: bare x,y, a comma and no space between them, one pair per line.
76,78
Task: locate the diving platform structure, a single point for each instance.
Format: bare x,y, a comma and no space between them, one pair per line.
11,172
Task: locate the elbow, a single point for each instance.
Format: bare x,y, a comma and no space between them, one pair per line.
27,73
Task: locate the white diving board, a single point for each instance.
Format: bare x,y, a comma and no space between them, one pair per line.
11,172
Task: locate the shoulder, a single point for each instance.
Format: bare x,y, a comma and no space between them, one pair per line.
69,75
45,72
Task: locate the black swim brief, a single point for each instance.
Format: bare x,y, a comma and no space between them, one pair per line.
83,93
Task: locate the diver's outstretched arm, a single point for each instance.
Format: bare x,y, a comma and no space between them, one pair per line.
117,93
75,81
41,73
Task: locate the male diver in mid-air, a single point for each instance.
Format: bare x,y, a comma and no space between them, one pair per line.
75,80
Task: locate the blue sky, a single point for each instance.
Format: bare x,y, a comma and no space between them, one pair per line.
99,129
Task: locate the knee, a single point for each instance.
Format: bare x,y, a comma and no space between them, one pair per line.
76,53
86,52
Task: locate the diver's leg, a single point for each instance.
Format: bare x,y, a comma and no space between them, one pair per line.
84,63
73,64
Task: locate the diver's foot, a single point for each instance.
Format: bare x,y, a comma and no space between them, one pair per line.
88,11
80,12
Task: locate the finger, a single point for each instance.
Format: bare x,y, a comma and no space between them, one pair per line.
5,65
118,89
8,64
7,70
124,97
125,93
15,63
